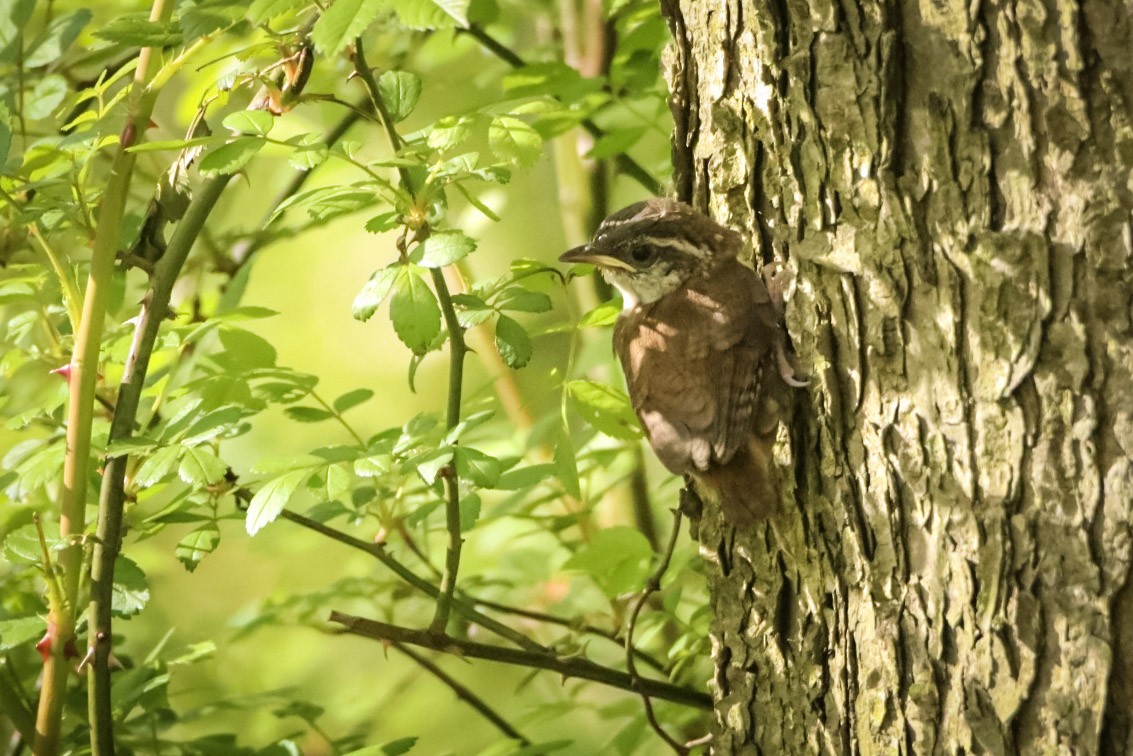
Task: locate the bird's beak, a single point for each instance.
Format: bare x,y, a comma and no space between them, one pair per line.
588,255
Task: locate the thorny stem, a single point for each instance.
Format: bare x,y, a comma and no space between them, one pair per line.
652,586
573,666
464,694
113,495
80,411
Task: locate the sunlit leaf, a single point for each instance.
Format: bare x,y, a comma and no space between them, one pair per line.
616,558
477,467
270,500
523,300
308,414
253,122
604,407
231,157
375,291
200,467
352,399
261,11
512,342
342,22
131,592
400,91
414,310
443,248
158,466
197,544
513,140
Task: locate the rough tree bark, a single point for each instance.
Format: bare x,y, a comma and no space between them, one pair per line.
952,181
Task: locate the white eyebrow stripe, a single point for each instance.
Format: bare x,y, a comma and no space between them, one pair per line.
678,244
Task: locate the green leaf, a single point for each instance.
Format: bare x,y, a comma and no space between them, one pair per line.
603,315
130,445
566,464
308,158
426,15
251,122
383,222
400,91
244,350
62,31
470,505
514,141
352,399
17,632
414,310
477,467
606,408
159,465
342,22
337,482
21,546
231,157
45,97
375,290
617,559
615,142
205,17
429,464
262,11
370,467
197,544
136,30
270,500
523,300
447,133
521,478
308,414
130,592
443,248
200,467
14,15
512,342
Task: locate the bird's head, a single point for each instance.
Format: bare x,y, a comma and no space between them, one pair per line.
650,248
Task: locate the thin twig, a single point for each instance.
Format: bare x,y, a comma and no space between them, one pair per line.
552,619
573,666
379,552
652,586
464,693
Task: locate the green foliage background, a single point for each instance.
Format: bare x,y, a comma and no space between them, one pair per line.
223,637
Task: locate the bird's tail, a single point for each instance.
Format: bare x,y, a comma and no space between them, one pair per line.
745,487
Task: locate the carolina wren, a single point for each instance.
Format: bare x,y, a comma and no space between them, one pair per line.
701,344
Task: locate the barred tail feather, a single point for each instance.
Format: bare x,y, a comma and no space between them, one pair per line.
746,487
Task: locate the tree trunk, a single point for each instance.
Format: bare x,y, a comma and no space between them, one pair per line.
950,571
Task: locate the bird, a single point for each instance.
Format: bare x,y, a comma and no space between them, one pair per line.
702,344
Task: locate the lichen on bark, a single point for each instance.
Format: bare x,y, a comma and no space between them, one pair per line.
953,183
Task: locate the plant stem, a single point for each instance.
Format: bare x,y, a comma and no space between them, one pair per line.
457,350
379,552
80,410
464,694
652,585
112,496
574,666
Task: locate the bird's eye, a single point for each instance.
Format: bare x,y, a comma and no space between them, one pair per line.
642,253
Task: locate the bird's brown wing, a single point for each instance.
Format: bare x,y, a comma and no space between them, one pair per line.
693,362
